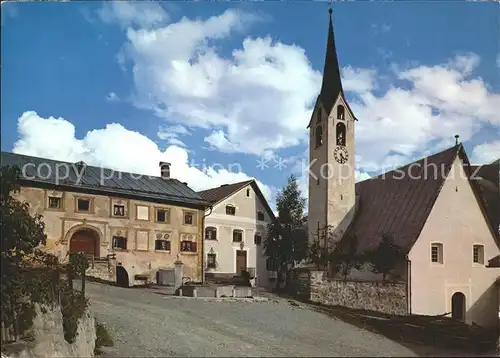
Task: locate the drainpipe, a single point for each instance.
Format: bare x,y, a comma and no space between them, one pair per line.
408,282
203,244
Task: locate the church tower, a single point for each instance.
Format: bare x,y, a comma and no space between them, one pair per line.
332,196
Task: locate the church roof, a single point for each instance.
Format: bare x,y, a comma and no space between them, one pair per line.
487,178
331,86
399,204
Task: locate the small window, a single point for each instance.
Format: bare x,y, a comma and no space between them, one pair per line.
437,253
162,215
260,216
83,205
118,210
237,235
211,260
162,245
188,219
248,193
230,210
319,115
317,181
478,254
188,246
210,233
257,239
340,112
142,212
341,134
271,264
55,203
319,136
119,242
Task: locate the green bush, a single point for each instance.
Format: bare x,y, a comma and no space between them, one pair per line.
73,306
103,338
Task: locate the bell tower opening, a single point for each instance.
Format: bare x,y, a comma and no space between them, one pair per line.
331,154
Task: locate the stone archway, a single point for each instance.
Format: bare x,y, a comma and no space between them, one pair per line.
458,306
85,240
122,277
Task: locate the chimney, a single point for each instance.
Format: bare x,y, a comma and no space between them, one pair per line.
165,170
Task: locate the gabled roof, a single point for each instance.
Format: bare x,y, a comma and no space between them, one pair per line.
487,179
399,204
218,194
42,172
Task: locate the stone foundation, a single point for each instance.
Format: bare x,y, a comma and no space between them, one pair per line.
386,297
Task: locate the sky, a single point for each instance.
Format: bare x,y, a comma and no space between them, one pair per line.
224,90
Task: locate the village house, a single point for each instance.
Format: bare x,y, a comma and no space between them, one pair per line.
443,212
130,225
235,231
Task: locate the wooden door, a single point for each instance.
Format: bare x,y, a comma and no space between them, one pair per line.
241,261
83,241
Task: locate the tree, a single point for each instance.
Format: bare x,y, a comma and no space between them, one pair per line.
22,234
345,256
318,253
386,256
286,240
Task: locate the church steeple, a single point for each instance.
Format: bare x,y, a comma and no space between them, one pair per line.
332,84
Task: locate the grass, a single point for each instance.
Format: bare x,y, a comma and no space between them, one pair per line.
436,331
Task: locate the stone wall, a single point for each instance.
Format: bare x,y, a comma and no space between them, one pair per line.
387,297
48,336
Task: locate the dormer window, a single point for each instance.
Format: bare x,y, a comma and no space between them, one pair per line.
230,210
319,136
340,112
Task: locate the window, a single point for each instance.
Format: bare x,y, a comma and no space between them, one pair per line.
142,212
341,134
340,112
230,210
189,218
55,203
319,115
257,239
237,235
210,233
248,193
319,136
478,254
260,216
162,215
83,205
270,264
118,210
437,253
317,181
119,242
162,245
211,260
188,243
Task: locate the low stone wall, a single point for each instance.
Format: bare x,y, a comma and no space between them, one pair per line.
48,336
387,297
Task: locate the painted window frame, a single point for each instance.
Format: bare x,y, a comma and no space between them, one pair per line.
440,253
91,204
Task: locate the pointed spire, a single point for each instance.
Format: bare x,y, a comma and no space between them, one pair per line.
332,85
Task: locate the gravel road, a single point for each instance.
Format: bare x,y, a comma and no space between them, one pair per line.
145,324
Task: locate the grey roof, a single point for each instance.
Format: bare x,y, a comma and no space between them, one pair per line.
47,172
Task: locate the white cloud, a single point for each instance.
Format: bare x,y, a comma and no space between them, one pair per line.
439,102
143,14
118,148
486,152
358,80
112,97
171,134
180,74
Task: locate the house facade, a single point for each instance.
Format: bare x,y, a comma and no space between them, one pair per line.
441,211
143,223
235,231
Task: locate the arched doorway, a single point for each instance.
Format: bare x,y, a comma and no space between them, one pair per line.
458,306
121,277
85,240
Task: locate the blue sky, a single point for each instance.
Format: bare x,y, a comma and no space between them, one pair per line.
205,85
